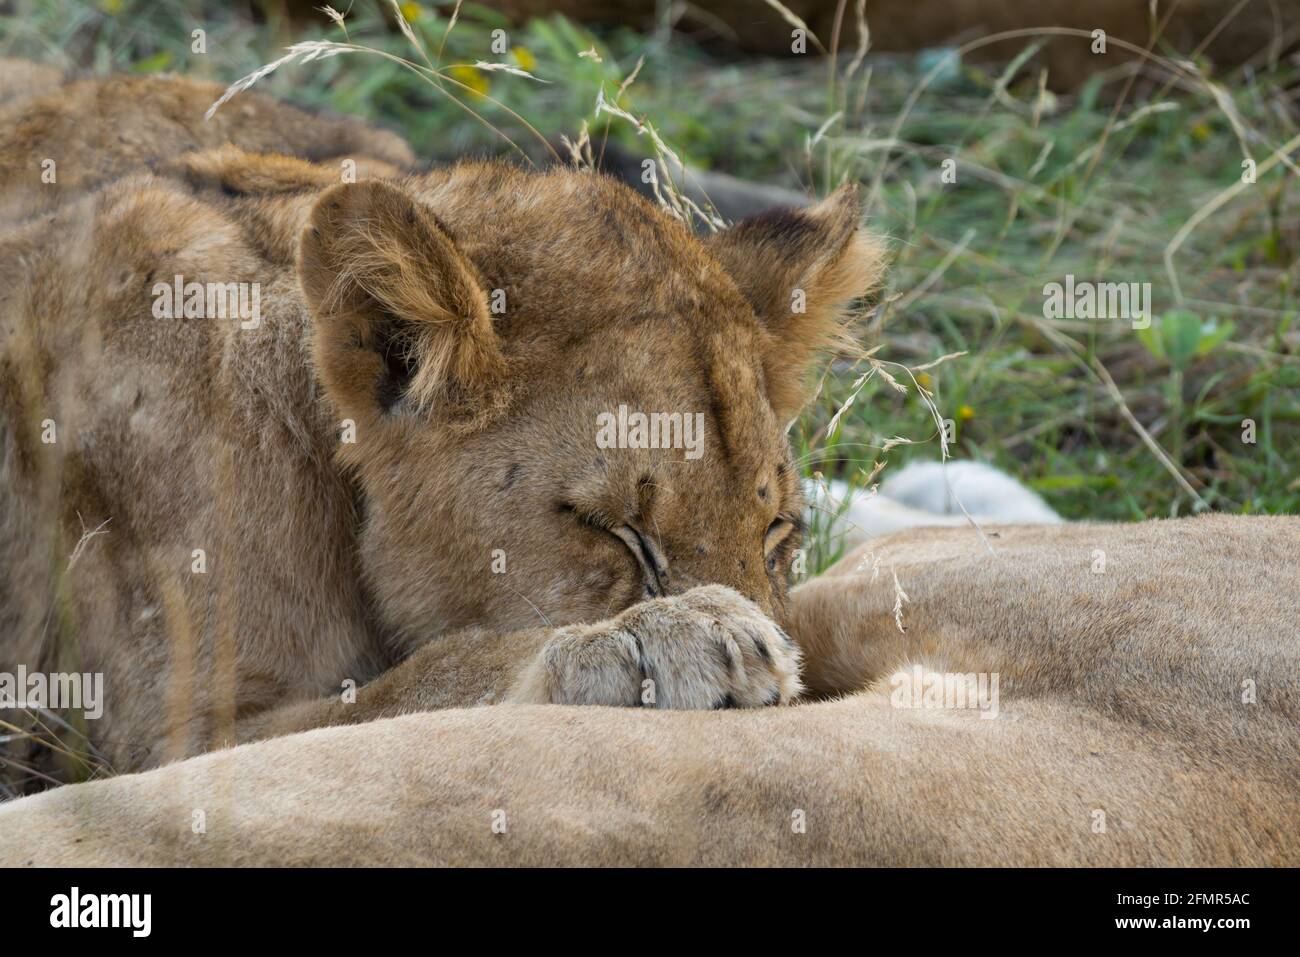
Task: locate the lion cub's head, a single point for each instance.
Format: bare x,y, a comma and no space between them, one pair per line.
565,403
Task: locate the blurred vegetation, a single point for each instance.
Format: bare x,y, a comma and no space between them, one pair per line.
1106,421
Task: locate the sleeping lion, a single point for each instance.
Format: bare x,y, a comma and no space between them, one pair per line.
270,436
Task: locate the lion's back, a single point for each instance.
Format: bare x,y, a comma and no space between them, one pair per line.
60,138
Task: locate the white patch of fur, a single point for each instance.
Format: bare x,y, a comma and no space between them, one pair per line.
919,496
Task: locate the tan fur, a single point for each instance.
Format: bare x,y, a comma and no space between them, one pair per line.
326,561
233,170
1121,694
98,130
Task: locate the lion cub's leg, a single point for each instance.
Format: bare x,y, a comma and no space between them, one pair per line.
888,604
846,632
705,648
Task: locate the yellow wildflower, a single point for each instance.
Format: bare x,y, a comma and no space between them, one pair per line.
525,59
473,78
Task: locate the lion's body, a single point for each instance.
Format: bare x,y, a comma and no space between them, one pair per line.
1122,737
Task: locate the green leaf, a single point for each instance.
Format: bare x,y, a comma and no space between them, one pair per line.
1180,333
1212,335
1061,483
1150,337
153,64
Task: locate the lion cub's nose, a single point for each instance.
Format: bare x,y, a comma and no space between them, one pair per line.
742,582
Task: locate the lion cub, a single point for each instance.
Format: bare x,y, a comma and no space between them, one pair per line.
386,491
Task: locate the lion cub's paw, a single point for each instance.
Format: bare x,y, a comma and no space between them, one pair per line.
707,648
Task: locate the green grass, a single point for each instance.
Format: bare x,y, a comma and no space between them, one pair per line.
1035,198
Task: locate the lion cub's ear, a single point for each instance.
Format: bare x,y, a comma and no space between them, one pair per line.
401,320
799,268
